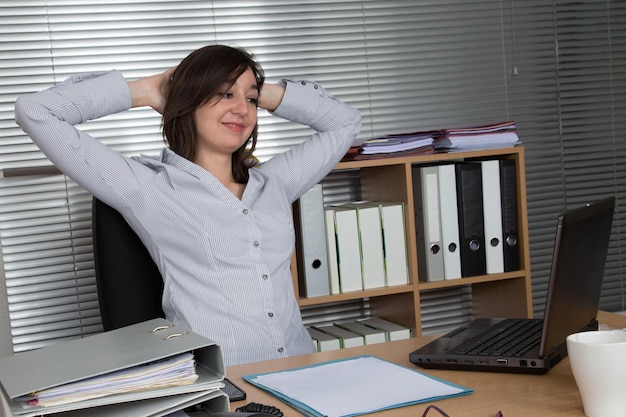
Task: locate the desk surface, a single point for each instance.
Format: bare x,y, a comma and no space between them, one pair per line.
552,394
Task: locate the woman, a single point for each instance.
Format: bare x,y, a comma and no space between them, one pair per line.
217,223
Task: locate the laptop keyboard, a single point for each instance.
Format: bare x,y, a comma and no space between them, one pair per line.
512,338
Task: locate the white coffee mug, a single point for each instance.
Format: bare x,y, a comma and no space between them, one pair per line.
598,361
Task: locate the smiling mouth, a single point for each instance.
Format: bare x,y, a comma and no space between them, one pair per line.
234,126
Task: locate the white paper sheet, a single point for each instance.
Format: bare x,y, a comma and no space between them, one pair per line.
356,386
174,371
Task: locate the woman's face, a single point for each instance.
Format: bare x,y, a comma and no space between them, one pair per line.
226,122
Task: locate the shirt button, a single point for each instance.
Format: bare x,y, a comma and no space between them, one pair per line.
303,82
270,314
265,276
316,86
256,243
245,211
281,350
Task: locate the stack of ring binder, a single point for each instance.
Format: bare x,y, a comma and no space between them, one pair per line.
147,369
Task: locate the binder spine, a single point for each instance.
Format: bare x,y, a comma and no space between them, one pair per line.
394,243
449,222
471,223
348,249
428,222
331,250
492,206
508,184
313,273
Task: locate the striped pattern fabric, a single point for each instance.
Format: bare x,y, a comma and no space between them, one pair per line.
225,261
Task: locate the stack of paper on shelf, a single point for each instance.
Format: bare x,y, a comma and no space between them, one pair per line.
152,368
398,143
431,141
402,144
485,136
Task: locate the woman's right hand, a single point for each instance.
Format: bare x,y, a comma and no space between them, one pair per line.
151,91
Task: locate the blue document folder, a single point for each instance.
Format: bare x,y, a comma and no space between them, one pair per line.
353,386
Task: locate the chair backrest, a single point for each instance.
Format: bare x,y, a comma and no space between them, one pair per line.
129,284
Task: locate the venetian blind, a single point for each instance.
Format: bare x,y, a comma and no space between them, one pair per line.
405,65
592,89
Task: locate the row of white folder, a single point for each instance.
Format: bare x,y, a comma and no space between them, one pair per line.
366,331
483,240
369,249
349,247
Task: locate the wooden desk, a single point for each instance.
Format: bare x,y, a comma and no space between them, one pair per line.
552,394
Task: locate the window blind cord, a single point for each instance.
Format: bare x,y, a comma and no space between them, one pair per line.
72,239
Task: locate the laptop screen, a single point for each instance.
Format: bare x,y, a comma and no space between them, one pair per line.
580,250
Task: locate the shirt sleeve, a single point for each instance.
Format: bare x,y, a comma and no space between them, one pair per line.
336,124
49,118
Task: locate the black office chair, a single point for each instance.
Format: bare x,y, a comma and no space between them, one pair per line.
129,283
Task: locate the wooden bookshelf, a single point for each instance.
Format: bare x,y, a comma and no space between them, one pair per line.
499,295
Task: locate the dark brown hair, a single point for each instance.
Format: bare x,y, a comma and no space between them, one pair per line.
196,81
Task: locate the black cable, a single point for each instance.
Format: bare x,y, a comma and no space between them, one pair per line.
260,408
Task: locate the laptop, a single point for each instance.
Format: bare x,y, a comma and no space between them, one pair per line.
533,346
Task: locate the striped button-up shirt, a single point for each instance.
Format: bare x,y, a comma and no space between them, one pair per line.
225,261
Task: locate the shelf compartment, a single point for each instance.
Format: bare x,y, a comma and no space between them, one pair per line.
496,295
375,292
423,285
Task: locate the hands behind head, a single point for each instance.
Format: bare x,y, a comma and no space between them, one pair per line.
151,91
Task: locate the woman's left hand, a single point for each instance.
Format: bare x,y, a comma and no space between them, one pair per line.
271,96
151,91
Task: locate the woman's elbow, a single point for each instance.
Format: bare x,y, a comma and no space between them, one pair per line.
24,110
355,120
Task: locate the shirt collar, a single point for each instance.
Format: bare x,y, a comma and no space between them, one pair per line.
169,159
